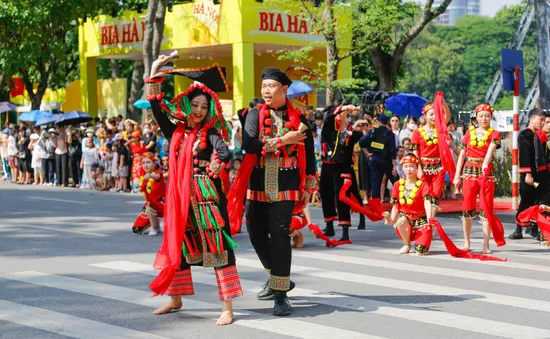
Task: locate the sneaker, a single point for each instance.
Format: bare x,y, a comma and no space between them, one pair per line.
153,232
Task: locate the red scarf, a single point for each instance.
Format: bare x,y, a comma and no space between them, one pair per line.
535,213
235,198
542,136
447,159
176,212
486,193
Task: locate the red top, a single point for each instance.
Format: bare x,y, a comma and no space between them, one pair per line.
417,207
424,151
137,148
479,152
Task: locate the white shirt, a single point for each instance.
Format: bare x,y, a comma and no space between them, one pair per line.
89,156
12,146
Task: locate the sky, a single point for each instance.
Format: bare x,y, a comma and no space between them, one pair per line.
490,7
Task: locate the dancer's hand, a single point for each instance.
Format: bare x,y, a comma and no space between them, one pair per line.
529,179
294,137
456,181
161,61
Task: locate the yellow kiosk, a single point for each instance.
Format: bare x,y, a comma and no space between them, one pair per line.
240,35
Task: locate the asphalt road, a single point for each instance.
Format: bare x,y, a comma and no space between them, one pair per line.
70,267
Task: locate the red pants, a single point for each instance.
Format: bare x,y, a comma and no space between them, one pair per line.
470,190
421,236
229,284
436,183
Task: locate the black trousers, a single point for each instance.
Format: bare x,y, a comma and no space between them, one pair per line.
268,226
48,166
331,182
529,196
379,167
62,170
76,172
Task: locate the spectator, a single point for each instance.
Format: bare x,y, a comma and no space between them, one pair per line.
62,157
48,141
407,144
398,166
165,167
75,155
422,121
12,153
235,166
162,143
99,177
394,123
149,139
107,163
4,154
124,162
24,157
89,158
137,148
128,129
409,126
37,153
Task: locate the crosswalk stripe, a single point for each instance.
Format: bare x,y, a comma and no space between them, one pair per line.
65,324
402,266
446,257
282,326
456,321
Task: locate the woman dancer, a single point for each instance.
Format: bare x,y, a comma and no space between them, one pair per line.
476,167
198,159
425,145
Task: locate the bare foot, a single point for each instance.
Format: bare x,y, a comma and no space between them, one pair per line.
466,247
172,305
405,249
225,319
487,251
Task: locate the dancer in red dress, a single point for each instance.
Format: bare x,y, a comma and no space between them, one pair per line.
152,186
425,145
196,224
412,209
475,167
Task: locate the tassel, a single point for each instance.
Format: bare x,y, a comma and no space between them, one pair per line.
230,241
212,189
198,248
208,217
204,219
197,190
213,248
185,250
205,192
188,244
220,241
211,219
219,219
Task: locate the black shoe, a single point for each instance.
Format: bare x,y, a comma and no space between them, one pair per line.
534,231
268,294
515,235
329,230
282,305
528,229
345,234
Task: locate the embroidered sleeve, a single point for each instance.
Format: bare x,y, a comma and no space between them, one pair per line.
497,142
414,147
428,198
153,89
311,183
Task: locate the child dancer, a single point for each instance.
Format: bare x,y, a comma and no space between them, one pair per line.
153,188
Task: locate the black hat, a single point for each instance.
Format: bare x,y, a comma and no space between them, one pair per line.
382,118
273,73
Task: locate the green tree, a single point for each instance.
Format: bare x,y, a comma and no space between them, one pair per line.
37,40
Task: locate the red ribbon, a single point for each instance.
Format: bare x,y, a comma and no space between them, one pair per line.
354,204
447,159
485,195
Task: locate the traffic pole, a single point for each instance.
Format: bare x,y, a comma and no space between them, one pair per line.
515,135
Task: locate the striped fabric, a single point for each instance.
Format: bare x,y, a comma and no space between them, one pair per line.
182,284
281,196
229,284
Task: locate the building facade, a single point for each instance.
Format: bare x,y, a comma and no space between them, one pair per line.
458,9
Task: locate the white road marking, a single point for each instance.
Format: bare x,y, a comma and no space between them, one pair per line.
59,200
65,324
446,319
282,326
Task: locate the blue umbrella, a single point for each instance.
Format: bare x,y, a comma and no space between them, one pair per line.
73,117
142,103
47,120
406,104
298,89
6,106
34,115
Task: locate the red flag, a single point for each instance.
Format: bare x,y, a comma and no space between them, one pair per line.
17,88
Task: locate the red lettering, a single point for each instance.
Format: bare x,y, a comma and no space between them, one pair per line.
116,39
126,33
143,31
292,23
104,36
303,27
264,26
135,33
110,33
271,22
279,27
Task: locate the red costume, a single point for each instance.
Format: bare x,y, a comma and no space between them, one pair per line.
476,181
410,203
154,191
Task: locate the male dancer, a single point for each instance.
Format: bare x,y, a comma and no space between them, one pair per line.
279,169
338,140
531,167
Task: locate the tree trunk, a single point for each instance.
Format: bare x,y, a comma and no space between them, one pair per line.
541,14
384,65
115,69
159,28
36,98
148,56
332,52
136,89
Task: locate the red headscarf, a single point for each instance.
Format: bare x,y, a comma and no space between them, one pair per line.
427,107
484,107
